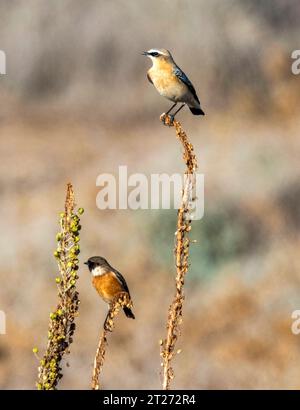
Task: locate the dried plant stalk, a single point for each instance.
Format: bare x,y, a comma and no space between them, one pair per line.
120,301
62,320
181,250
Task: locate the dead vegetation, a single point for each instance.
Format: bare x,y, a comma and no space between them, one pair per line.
182,243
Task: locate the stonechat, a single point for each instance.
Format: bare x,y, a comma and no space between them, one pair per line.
108,282
171,82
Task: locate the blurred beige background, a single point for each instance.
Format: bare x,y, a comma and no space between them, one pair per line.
75,103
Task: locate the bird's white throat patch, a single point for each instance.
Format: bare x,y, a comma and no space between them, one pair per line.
98,271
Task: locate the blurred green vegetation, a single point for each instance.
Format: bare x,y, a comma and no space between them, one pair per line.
225,234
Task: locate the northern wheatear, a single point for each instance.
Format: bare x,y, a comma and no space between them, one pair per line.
171,82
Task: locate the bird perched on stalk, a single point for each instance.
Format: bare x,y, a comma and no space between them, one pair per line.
171,82
108,282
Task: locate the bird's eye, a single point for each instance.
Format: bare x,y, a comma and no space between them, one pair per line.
154,54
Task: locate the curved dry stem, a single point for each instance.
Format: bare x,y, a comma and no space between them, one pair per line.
181,250
120,301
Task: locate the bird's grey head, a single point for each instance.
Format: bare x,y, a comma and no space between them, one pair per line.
158,53
96,261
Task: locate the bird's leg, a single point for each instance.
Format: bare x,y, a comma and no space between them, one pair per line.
176,112
173,106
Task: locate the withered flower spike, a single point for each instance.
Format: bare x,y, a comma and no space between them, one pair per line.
181,252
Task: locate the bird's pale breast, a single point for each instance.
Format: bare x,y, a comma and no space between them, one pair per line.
167,83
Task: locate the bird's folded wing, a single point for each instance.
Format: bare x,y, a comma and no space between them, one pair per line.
121,280
180,74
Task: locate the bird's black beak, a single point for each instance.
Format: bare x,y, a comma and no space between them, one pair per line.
144,53
86,263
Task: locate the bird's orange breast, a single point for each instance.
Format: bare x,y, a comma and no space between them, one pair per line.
107,286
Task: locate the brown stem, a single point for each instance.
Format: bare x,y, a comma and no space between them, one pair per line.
181,250
121,300
99,360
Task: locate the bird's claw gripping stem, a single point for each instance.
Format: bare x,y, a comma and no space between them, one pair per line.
167,119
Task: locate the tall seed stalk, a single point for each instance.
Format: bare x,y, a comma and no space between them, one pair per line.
62,319
182,243
120,301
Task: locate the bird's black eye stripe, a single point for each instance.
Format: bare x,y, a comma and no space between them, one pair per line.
154,54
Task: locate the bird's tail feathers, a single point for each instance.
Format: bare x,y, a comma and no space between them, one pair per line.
128,312
197,111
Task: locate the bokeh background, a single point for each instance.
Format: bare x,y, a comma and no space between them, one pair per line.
75,103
